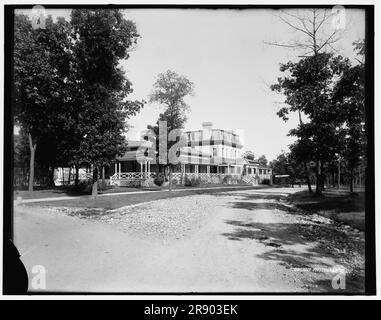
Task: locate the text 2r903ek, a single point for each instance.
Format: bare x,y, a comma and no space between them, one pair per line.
226,309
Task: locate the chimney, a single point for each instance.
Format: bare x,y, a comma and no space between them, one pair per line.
207,125
206,130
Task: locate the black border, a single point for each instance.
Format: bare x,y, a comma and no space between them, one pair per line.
370,250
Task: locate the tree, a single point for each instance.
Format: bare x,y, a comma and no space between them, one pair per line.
262,160
308,87
103,37
316,40
313,31
285,164
281,164
41,65
249,155
301,152
349,96
170,90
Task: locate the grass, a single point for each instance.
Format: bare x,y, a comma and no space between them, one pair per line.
340,206
117,201
73,192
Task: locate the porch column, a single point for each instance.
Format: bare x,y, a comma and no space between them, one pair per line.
149,169
146,170
141,169
228,169
196,169
120,169
116,168
208,169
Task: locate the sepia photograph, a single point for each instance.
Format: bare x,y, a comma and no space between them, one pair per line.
189,150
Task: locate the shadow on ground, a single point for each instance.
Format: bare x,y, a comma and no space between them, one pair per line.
316,246
258,195
259,205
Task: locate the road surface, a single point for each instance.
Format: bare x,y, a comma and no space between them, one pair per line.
240,241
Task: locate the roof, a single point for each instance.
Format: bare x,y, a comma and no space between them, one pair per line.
251,162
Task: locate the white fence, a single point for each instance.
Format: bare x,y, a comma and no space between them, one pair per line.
139,178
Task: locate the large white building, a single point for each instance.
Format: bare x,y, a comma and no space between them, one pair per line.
210,154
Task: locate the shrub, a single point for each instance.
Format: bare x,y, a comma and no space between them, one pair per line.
227,179
187,181
195,182
174,181
158,181
265,181
85,186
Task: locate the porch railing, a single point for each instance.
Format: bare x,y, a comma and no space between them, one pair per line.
127,177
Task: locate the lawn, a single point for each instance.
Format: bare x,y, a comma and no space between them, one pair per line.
120,200
340,206
73,192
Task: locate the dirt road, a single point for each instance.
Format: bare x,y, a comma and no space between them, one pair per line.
241,241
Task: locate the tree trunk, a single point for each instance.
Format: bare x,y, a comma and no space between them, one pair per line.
323,177
76,175
351,181
170,178
32,148
307,177
69,178
318,179
94,192
51,177
338,175
103,178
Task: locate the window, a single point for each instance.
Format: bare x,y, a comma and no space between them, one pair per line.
214,152
260,171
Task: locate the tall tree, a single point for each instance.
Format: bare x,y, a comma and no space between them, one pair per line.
41,65
313,32
349,96
103,37
314,37
170,90
308,87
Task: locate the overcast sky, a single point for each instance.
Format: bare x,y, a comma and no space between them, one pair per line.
223,53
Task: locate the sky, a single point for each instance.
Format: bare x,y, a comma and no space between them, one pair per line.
223,52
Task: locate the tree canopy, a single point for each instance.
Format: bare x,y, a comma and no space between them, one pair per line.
70,91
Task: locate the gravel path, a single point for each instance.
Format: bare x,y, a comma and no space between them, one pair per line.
165,219
241,241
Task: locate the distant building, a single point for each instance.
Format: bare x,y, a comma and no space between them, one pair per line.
211,154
